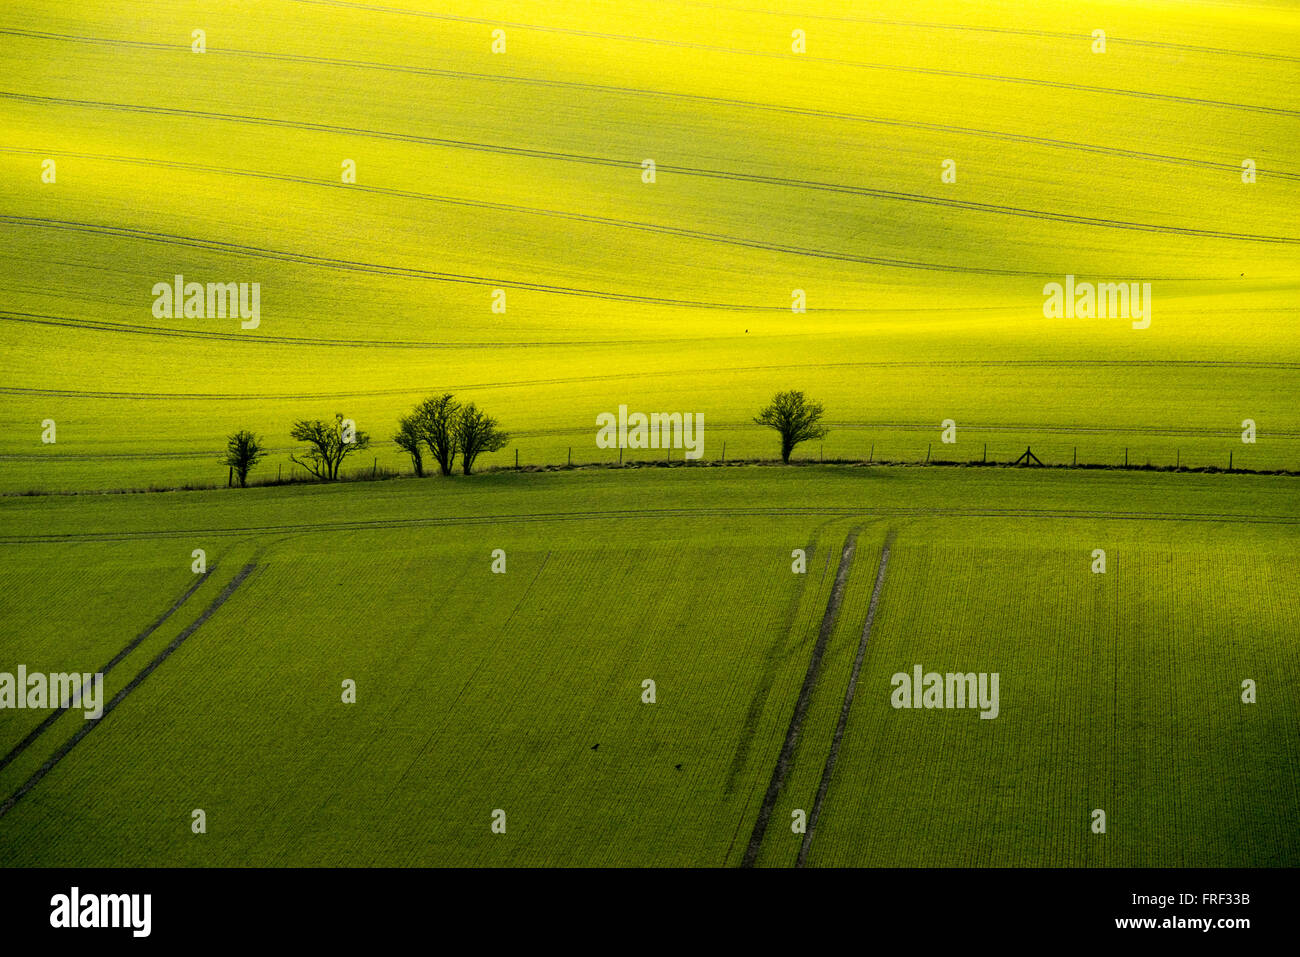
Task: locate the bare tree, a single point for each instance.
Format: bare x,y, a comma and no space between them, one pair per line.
409,439
477,432
243,451
795,418
435,420
328,444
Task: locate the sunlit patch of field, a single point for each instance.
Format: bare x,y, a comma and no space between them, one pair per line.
524,691
522,171
799,232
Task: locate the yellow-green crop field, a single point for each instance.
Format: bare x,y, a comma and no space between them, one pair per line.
524,691
521,171
558,209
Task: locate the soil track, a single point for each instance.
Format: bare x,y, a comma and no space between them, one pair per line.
805,698
135,682
624,514
130,646
829,770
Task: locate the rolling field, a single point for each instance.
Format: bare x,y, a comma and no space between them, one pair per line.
522,691
522,171
557,209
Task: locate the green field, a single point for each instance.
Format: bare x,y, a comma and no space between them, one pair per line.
521,171
479,691
866,202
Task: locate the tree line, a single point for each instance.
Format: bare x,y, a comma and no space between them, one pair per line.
440,426
443,428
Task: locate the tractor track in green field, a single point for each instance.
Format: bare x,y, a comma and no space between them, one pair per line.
775,656
786,754
382,269
828,771
1074,219
653,94
1061,364
183,48
654,514
812,551
135,682
1066,364
130,646
172,332
803,57
679,232
1008,31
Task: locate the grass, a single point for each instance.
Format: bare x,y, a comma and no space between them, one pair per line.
479,691
377,320
776,172
1120,692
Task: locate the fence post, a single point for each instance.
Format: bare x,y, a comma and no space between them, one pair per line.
1229,461
1126,458
374,468
1074,460
516,456
927,452
871,457
985,457
230,476
724,453
620,455
570,454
